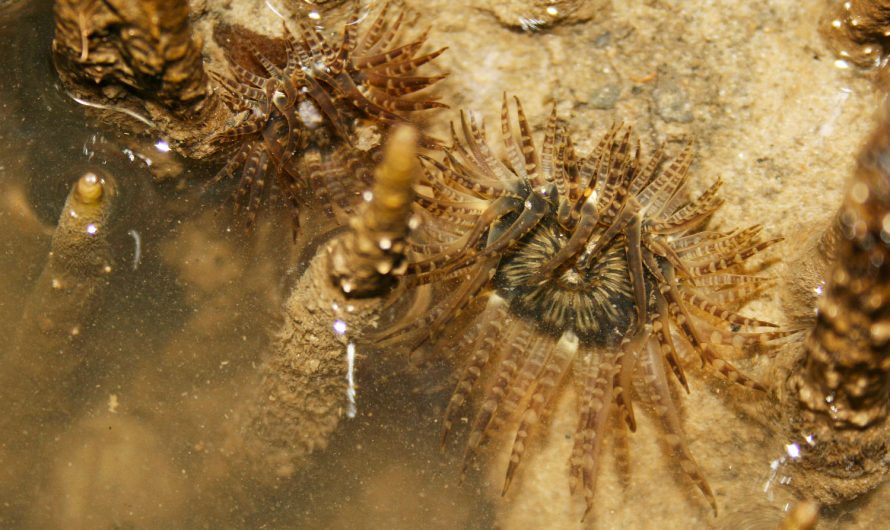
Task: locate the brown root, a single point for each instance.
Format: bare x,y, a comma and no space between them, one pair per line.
137,57
837,395
368,260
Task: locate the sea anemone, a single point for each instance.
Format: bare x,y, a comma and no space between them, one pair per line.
310,104
591,267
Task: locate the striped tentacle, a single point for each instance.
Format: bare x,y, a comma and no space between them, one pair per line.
545,386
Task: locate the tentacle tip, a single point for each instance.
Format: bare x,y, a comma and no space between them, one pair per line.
630,420
506,487
443,438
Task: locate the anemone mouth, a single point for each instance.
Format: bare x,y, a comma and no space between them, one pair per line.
595,302
571,279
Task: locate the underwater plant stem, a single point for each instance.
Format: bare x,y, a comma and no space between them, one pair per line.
146,48
38,370
306,384
371,256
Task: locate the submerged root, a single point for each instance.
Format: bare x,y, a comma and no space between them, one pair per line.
856,30
307,384
367,261
147,47
39,367
838,392
41,371
137,57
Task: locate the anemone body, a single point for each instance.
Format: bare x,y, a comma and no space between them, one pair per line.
589,268
298,119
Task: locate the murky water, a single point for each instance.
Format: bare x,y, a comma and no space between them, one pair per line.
138,440
184,320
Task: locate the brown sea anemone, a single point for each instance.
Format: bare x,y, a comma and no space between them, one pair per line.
592,268
310,103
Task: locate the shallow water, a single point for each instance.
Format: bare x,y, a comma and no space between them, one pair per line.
173,335
187,317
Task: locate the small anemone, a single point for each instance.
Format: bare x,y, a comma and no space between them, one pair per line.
309,103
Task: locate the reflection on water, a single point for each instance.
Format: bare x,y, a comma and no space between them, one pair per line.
136,436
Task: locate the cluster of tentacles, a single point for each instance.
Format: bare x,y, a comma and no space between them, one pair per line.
309,104
590,266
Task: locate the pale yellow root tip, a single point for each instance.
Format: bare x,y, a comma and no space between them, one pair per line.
90,188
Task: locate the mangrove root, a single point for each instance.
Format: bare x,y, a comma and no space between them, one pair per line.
839,390
306,384
368,260
44,355
139,56
39,375
856,30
